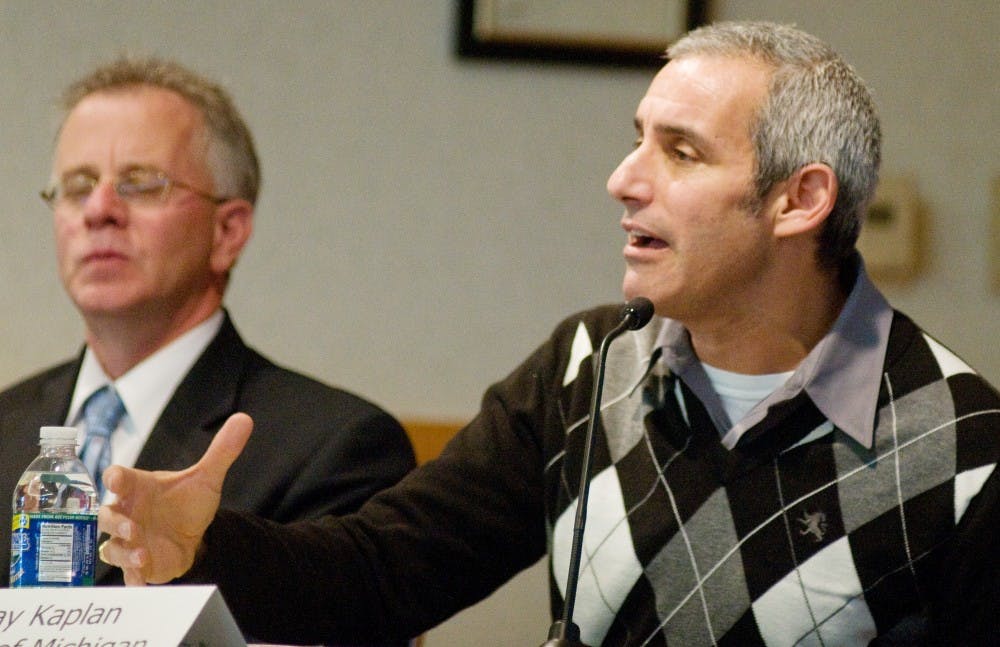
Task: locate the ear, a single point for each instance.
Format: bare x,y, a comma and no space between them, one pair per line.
233,227
808,198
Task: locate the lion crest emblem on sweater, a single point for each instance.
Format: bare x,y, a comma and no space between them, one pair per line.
813,523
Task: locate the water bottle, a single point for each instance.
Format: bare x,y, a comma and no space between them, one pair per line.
54,530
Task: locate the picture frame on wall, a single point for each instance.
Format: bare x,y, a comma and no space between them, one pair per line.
594,32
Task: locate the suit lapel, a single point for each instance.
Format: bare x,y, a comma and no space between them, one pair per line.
202,402
22,420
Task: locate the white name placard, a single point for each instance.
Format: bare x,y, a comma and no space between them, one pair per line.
153,616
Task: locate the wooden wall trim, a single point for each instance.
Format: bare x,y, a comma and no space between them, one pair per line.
430,436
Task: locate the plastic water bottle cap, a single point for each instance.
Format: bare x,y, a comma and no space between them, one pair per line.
57,435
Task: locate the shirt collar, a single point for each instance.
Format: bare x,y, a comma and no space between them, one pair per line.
148,386
841,374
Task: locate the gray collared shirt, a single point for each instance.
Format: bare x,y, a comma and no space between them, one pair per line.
841,374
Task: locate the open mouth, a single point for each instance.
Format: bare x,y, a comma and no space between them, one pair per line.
645,242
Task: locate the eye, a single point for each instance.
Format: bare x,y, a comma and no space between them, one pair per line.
682,155
77,188
141,183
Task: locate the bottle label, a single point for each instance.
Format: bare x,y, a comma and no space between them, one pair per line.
52,549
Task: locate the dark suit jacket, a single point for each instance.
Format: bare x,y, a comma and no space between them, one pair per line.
314,449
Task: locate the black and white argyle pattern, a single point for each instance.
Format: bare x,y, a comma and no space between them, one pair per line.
799,535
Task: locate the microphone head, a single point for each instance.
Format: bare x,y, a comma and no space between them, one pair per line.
637,312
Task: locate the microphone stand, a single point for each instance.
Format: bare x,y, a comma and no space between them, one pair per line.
565,632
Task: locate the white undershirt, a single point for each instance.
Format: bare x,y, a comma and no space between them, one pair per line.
145,389
740,392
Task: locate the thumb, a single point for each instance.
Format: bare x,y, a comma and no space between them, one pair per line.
226,447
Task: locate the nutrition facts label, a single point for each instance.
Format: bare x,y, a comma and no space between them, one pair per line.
55,554
53,549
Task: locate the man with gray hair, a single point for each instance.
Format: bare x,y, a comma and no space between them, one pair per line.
153,187
781,458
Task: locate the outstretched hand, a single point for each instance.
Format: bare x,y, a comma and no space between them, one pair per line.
158,519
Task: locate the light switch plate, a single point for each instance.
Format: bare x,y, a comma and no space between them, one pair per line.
994,250
892,238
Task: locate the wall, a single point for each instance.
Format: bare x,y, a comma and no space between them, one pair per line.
435,214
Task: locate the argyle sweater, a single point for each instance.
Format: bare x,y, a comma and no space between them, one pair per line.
797,535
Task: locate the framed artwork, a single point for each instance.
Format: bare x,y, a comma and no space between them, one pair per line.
595,32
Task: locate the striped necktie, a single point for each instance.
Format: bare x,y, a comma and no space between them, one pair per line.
101,413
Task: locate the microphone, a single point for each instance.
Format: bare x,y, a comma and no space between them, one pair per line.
564,632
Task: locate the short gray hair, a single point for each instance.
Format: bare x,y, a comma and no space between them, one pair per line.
817,110
230,157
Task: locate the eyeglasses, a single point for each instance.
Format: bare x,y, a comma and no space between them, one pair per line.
139,187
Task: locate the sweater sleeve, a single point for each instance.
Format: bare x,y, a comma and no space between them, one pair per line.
967,603
445,537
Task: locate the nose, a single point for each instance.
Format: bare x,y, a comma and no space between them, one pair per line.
104,206
630,183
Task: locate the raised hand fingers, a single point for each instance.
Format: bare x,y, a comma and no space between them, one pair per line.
119,480
226,447
158,518
116,524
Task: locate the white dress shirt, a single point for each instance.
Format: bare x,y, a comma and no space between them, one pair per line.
145,388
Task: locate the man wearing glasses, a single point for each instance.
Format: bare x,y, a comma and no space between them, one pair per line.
153,186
